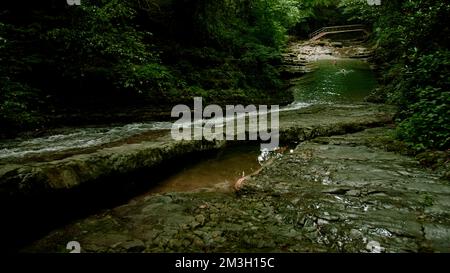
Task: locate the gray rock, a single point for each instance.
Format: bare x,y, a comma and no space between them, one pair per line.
356,234
336,44
133,246
353,193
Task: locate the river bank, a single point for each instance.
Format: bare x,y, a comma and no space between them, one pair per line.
340,194
43,190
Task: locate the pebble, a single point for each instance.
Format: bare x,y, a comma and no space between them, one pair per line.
322,222
355,234
374,247
353,193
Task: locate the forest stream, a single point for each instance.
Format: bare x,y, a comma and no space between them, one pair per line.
331,81
334,185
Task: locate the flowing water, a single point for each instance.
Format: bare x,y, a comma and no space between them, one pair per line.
71,140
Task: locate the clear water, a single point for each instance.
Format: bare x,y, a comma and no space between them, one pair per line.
335,81
218,173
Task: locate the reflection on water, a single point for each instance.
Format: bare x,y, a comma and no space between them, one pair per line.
341,80
215,173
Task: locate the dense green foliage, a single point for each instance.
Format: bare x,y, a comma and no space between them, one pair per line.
56,58
412,39
317,14
71,56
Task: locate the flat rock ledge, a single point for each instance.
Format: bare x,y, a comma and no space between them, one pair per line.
40,177
343,193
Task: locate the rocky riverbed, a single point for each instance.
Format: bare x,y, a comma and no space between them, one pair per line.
345,193
47,192
341,186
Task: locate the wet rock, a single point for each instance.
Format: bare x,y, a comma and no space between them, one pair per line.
283,212
336,44
374,247
200,219
329,217
133,246
338,191
353,193
38,177
356,234
438,236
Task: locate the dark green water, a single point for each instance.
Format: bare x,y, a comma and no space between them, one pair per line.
336,81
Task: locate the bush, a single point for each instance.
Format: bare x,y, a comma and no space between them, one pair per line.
412,39
20,106
429,124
